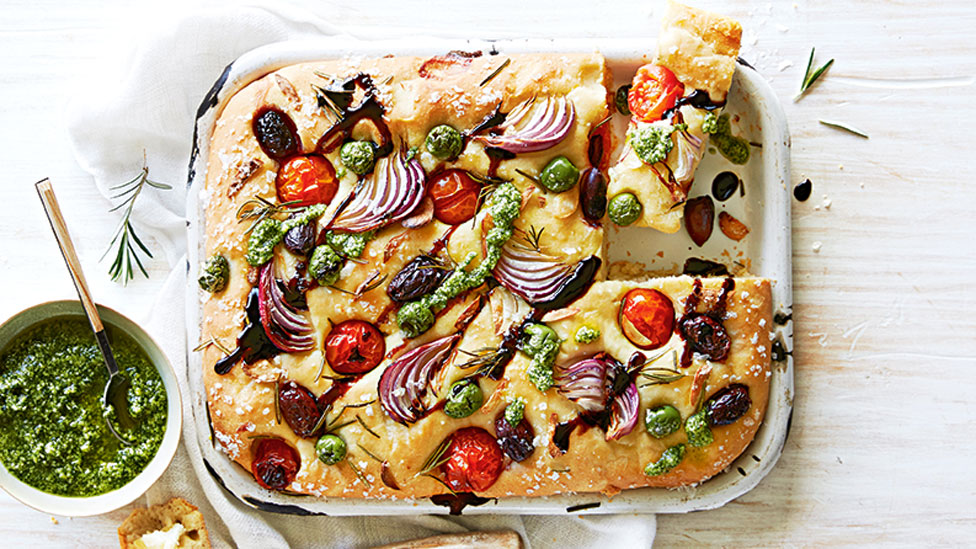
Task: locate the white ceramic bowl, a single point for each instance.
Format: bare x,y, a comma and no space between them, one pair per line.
96,505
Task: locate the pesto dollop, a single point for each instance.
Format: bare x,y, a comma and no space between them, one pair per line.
349,244
696,427
669,459
416,317
587,334
542,345
735,149
652,142
53,434
515,411
215,273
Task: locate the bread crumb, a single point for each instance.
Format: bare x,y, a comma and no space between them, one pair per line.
816,247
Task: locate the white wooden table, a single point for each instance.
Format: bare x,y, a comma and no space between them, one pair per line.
882,445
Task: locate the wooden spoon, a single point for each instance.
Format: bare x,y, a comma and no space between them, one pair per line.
117,387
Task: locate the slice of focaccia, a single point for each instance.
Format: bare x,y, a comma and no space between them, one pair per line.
674,104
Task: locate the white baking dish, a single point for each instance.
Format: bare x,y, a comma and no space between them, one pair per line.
765,210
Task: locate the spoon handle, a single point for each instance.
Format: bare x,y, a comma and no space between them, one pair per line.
53,211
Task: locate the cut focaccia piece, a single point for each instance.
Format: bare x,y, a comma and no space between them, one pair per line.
674,103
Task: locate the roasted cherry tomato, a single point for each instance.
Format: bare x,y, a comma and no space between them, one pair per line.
654,91
275,463
455,196
309,179
646,318
474,460
354,347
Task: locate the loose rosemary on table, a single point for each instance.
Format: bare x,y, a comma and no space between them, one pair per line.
127,255
844,127
810,77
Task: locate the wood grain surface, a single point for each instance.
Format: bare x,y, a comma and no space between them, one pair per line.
882,441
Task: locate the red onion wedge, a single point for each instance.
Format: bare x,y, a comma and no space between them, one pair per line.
585,382
624,411
286,327
391,193
544,281
533,126
405,382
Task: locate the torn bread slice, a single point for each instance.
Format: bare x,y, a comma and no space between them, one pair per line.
674,104
175,524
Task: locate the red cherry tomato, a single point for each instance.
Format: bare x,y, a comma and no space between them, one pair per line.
275,464
455,196
655,89
646,318
474,460
309,179
354,347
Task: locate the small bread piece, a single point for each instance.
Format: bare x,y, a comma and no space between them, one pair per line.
499,540
162,518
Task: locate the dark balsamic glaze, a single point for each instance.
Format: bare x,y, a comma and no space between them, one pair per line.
368,109
698,99
574,286
697,266
620,378
335,392
457,502
252,343
716,313
495,157
493,119
724,186
802,190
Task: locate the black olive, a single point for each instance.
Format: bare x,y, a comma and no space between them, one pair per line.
416,279
728,405
724,186
516,442
300,240
593,194
276,133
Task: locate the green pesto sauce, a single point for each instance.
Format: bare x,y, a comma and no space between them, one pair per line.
416,317
735,149
515,411
349,244
269,232
542,345
587,334
668,460
652,143
52,432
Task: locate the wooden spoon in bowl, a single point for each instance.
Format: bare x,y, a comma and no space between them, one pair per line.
117,388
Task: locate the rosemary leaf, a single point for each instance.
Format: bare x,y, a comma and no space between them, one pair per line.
809,78
359,474
436,458
495,72
277,400
438,479
127,254
363,423
844,127
368,453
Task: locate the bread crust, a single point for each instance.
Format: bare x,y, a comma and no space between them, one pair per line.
241,403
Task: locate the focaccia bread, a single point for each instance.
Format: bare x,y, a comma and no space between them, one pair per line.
406,292
669,131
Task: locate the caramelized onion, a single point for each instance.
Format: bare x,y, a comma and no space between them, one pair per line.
533,126
285,326
624,411
390,194
585,383
532,275
405,382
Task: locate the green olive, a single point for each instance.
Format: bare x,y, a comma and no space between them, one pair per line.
324,265
358,156
463,399
624,209
696,427
444,142
559,175
662,421
669,459
620,99
330,449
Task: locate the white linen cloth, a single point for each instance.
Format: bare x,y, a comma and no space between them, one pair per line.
148,103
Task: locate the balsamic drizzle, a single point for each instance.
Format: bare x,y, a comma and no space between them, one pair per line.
253,343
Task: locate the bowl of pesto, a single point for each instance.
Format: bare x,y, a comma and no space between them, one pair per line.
57,454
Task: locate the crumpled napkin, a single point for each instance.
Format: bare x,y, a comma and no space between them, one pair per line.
147,104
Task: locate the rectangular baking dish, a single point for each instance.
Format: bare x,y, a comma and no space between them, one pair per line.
757,115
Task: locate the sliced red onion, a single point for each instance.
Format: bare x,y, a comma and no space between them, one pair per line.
285,326
532,275
391,193
689,152
585,383
405,382
624,411
533,126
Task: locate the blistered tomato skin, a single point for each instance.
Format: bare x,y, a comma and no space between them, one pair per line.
354,347
474,460
655,90
650,314
455,196
309,179
275,464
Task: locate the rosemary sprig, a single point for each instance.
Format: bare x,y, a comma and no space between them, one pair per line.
485,359
368,453
844,127
809,78
532,237
444,484
528,176
213,341
259,209
359,474
598,124
277,400
436,458
495,73
364,426
127,255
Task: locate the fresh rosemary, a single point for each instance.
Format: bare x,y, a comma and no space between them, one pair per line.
484,359
844,127
212,342
368,453
810,77
364,426
532,237
359,474
436,458
125,234
495,73
259,209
